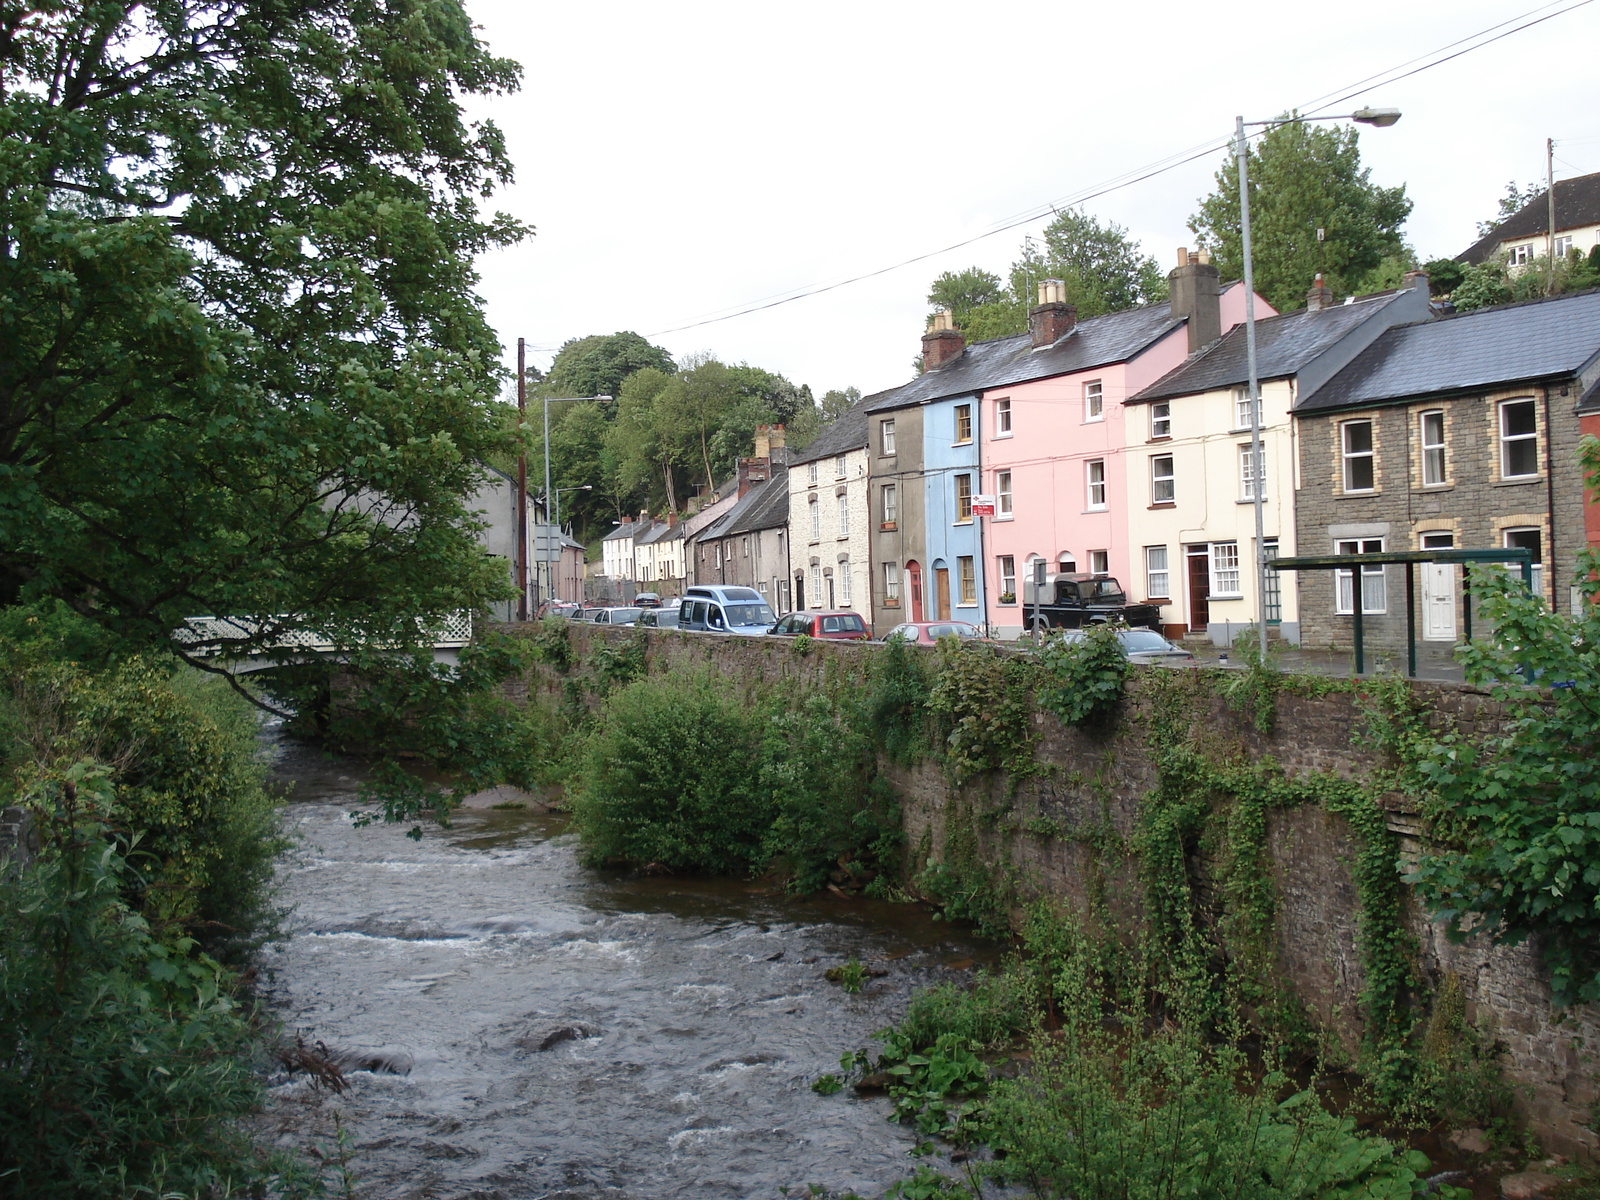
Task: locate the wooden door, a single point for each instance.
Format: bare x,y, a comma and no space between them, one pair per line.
941,577
1199,558
914,582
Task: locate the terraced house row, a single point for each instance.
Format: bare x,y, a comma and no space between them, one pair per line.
1121,445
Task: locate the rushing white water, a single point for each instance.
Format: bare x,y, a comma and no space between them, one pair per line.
542,1030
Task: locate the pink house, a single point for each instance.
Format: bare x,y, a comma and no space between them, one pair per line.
1053,452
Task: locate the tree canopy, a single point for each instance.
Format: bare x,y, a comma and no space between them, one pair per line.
245,371
1103,269
597,365
1313,207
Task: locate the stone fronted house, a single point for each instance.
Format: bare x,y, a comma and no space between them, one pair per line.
830,543
1458,433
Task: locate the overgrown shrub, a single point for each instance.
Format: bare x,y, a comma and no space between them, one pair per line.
897,701
1081,678
670,778
124,1063
982,699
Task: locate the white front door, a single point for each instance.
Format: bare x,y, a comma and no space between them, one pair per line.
1438,592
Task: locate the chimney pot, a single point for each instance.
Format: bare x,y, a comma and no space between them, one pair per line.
1053,318
1183,256
942,343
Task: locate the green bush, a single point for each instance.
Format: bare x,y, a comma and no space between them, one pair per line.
897,701
1081,679
670,777
126,1064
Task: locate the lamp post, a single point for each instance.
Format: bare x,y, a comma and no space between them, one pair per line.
1382,118
554,498
522,468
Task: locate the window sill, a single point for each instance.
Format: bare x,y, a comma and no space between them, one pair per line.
1004,517
1163,504
968,521
1093,421
966,604
1000,437
891,603
1358,495
1226,596
1158,600
1518,481
968,442
1100,509
1159,437
1268,500
888,526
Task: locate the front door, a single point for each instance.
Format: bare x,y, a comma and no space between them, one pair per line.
799,591
1438,592
941,576
1199,558
914,582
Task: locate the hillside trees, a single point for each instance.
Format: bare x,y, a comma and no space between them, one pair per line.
245,371
1313,207
1103,269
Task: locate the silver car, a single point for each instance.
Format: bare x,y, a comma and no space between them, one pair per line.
617,616
1142,646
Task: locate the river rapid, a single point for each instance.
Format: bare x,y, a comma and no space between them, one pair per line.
520,1027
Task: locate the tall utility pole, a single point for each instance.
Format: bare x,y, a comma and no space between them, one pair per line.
522,484
1550,193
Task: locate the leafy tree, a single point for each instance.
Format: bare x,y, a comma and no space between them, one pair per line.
961,292
835,403
597,365
1513,202
1493,281
1304,179
1444,275
245,371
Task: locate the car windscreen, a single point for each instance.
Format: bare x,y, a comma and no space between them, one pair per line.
620,616
953,630
1141,640
749,614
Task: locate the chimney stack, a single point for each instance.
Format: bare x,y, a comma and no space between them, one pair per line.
1052,318
763,441
672,518
1320,296
1195,289
1419,280
942,342
753,471
778,437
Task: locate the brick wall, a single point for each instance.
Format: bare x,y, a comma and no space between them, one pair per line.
1099,779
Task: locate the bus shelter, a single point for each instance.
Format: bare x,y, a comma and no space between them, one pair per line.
1409,559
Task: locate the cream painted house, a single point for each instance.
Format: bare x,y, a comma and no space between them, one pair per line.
830,520
1525,234
1190,478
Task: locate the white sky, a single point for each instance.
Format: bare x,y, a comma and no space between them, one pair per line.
683,160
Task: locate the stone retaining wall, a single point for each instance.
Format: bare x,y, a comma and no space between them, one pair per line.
1550,1054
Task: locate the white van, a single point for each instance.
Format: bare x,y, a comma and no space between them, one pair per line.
720,609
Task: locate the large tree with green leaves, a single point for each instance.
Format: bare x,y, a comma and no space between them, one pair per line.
244,368
597,365
1313,208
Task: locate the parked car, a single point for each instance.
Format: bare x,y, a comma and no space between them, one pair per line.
658,618
646,600
928,633
722,609
560,608
1142,646
616,616
844,626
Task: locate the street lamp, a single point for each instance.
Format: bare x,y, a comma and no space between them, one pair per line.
552,502
1382,118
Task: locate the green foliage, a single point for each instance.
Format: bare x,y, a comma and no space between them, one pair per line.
1493,281
1444,275
1513,202
1081,679
982,699
1305,178
1252,691
127,1064
667,779
1524,804
598,364
897,702
246,372
181,751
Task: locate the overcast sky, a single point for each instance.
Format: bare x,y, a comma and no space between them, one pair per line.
681,161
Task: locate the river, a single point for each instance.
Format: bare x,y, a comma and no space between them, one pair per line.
545,1031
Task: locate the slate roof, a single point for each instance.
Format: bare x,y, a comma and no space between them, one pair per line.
1096,342
764,506
1284,345
847,431
1553,336
1577,205
623,532
661,531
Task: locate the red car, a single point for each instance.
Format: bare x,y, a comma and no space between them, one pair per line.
842,626
928,633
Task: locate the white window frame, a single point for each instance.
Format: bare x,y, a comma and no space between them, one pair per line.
1434,464
1516,568
1241,407
963,501
811,472
1521,255
816,520
1002,418
966,580
1226,579
1510,441
891,583
1005,566
1157,572
1163,482
886,437
840,466
1094,478
843,500
1349,458
1374,583
963,417
1247,477
843,574
1161,419
1563,245
1002,494
889,504
1100,562
1094,400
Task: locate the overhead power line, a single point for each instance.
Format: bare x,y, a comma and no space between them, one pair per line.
1433,58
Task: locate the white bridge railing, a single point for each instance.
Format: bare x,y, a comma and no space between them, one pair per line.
450,632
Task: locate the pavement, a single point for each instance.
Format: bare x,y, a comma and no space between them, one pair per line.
1434,660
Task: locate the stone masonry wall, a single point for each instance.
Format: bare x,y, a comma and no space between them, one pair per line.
1102,779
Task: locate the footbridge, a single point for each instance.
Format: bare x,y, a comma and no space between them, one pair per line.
244,645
